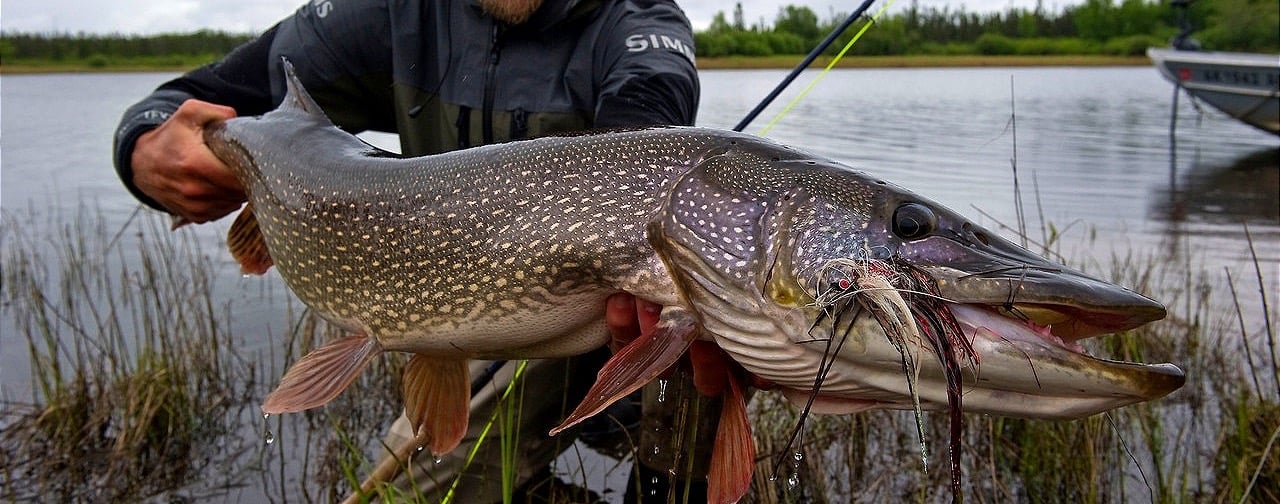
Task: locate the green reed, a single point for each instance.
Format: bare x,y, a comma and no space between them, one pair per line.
341,442
139,390
133,372
1214,440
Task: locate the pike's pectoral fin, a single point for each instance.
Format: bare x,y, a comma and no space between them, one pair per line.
247,245
437,401
321,375
636,364
733,458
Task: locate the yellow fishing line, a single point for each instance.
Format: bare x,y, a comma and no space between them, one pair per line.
830,65
484,434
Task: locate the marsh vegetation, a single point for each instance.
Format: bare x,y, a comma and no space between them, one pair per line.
139,390
134,358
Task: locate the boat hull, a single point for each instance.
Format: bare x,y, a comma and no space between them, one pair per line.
1245,86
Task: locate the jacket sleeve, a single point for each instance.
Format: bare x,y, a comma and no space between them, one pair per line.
239,80
650,77
335,45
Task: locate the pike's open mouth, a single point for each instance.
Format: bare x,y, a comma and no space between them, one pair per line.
1068,323
999,323
1062,327
1034,350
1022,359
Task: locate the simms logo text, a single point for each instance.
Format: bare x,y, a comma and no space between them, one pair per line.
643,42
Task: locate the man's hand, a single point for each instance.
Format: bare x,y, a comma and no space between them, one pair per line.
627,317
173,166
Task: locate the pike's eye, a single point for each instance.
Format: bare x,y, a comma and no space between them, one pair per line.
913,220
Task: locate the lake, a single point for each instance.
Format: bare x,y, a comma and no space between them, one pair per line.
1097,171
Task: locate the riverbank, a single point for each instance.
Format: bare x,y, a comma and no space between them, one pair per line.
724,63
135,364
922,61
25,68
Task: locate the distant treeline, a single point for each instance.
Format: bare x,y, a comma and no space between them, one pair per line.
110,50
1093,27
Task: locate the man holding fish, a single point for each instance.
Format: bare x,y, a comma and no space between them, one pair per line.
774,267
444,75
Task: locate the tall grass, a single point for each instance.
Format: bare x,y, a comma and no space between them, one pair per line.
133,372
321,455
139,390
1205,443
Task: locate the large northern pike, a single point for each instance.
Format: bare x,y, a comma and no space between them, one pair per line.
823,281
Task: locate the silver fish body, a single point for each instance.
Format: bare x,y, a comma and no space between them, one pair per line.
508,251
497,251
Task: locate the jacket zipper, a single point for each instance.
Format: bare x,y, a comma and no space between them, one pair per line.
486,119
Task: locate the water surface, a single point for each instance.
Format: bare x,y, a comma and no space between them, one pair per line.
1092,150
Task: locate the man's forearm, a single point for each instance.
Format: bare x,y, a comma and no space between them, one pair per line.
239,80
144,116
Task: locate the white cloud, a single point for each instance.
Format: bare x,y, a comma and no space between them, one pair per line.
142,16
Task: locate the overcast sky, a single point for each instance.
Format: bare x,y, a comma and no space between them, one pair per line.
167,16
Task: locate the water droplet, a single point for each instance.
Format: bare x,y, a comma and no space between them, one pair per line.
793,481
421,447
268,437
662,390
656,450
438,458
773,477
798,456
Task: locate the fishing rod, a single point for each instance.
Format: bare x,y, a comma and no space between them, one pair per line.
795,72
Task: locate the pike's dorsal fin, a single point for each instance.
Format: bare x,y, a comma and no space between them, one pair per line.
437,399
296,96
246,243
636,364
321,375
733,458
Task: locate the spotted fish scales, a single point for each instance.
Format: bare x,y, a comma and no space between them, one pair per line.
479,245
823,282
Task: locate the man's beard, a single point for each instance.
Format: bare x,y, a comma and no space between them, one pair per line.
510,11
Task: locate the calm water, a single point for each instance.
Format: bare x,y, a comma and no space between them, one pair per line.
1092,148
1093,154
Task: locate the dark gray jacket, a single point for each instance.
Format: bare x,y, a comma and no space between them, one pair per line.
444,75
